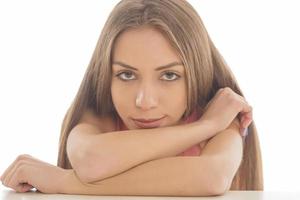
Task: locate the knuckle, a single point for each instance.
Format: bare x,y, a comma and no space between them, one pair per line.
20,167
231,98
227,92
21,170
21,163
23,157
227,89
220,89
234,102
20,157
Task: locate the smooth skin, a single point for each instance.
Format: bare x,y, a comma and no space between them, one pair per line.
27,172
149,93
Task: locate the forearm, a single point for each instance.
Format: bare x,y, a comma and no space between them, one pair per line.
173,176
115,152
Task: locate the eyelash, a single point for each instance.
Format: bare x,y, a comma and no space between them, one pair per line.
129,72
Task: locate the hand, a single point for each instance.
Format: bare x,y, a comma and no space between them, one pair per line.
27,172
224,107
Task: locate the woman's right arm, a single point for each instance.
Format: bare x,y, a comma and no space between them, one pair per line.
95,156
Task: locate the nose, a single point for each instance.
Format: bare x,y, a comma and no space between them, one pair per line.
146,98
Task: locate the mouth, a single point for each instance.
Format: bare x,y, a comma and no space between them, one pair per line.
148,123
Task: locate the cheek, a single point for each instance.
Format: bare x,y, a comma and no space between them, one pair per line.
176,94
121,95
175,98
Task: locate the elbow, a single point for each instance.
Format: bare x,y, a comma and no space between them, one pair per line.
87,163
86,169
220,186
84,174
220,179
217,181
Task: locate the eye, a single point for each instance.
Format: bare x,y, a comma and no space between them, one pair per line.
125,76
171,76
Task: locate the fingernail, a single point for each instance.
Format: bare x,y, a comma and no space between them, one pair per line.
242,131
245,132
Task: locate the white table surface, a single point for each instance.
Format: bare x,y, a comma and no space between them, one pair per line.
8,194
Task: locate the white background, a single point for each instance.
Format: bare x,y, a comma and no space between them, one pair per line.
45,47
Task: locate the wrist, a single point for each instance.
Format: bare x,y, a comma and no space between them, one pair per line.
73,185
64,182
69,183
209,125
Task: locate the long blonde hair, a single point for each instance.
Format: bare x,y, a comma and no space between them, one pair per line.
205,68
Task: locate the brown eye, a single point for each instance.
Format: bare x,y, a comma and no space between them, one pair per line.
171,76
126,76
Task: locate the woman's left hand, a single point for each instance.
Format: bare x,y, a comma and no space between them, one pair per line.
27,172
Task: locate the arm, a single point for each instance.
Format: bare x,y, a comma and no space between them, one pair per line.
95,156
227,148
172,176
175,176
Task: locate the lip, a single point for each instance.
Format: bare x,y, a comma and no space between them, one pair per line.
148,123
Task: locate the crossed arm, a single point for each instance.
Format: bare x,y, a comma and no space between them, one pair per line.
208,174
211,173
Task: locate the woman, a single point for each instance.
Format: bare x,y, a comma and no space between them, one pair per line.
158,113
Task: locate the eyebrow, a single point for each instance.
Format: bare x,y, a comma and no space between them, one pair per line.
172,64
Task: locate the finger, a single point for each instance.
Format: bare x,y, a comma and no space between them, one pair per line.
19,175
24,187
24,172
245,115
246,107
10,174
19,161
240,117
242,120
246,119
3,176
244,132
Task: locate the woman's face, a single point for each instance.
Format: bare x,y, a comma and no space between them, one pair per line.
148,79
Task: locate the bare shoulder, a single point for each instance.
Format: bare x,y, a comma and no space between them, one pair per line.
103,124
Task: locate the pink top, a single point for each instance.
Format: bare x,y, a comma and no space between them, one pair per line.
192,151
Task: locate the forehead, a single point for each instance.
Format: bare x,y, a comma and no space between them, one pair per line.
144,45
